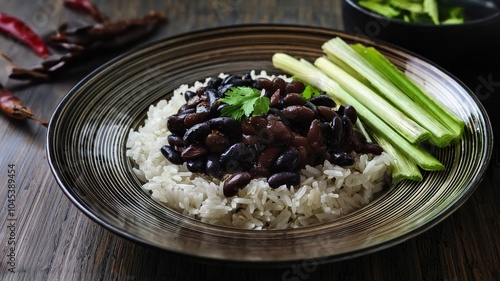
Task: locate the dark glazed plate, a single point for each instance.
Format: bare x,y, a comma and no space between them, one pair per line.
88,131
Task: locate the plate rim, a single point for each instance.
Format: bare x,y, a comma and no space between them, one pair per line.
365,250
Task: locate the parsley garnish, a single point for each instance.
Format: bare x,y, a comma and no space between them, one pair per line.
244,101
310,92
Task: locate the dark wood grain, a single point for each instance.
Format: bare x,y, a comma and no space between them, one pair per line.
55,241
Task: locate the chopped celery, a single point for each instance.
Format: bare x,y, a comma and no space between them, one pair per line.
417,11
437,110
411,6
440,135
308,73
401,166
431,8
408,128
384,10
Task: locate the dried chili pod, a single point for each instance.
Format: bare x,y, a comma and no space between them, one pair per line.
49,67
16,28
107,35
87,42
13,107
86,7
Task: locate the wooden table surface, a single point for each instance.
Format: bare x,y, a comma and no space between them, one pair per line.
55,241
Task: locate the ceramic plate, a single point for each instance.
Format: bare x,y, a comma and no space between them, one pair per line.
88,131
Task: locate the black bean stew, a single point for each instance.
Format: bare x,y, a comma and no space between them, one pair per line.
294,133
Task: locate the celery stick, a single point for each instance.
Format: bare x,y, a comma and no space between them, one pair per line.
309,74
431,7
402,168
440,135
382,9
351,71
411,6
405,126
438,111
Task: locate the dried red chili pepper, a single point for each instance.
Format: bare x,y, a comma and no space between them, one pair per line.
86,7
106,35
20,31
88,41
13,107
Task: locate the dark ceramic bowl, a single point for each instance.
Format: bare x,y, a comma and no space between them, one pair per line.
475,44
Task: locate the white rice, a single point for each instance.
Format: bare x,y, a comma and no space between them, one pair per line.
326,191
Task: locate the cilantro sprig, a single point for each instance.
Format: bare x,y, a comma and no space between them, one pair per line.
244,101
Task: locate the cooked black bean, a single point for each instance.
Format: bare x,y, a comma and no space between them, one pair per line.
299,140
249,139
175,140
193,151
240,82
172,155
183,112
263,83
175,124
238,157
229,79
277,131
196,165
371,148
298,113
247,76
275,99
287,162
235,183
213,167
223,89
195,118
203,107
341,159
295,87
326,113
194,101
260,172
323,100
226,125
315,133
214,83
284,178
188,95
258,122
348,134
337,136
279,83
217,143
294,99
212,96
350,112
313,107
340,110
197,133
268,156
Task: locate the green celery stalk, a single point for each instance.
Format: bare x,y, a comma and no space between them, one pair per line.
437,110
431,7
401,166
411,6
440,135
309,74
350,70
405,126
383,9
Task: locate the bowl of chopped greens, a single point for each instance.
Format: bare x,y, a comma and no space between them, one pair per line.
456,34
